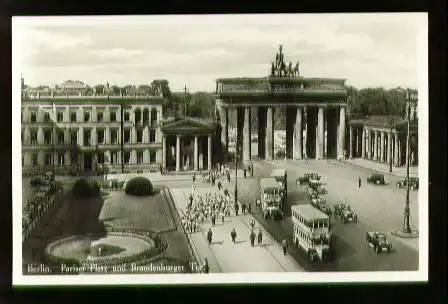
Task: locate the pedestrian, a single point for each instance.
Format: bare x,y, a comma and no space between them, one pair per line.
243,208
213,180
252,224
228,177
237,208
222,216
194,177
213,219
209,236
285,246
252,170
359,182
219,185
233,235
252,238
244,172
206,268
260,237
306,158
249,208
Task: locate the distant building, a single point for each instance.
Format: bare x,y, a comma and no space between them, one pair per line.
73,85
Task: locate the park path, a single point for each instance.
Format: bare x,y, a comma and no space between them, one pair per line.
226,257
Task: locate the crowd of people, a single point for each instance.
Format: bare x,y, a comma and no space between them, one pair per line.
204,208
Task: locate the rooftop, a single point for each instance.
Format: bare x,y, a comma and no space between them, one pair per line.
278,172
269,182
309,212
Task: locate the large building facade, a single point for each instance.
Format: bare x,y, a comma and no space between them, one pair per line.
80,133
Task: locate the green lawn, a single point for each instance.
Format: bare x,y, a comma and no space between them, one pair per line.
144,212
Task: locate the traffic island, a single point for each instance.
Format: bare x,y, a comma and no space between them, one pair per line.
406,235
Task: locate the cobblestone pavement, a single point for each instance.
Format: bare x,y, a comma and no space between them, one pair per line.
227,257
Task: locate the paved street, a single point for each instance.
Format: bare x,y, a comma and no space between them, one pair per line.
378,208
226,257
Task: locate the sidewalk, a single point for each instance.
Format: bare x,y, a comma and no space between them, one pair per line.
382,168
226,257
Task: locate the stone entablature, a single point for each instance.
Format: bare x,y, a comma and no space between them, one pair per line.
280,85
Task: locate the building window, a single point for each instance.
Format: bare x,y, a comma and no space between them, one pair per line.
33,135
152,136
86,116
126,116
153,116
139,157
100,136
113,157
47,159
74,137
113,116
60,116
73,116
127,136
33,117
99,116
127,157
138,115
145,115
152,157
47,117
101,157
61,138
34,159
47,137
86,137
114,136
61,159
139,136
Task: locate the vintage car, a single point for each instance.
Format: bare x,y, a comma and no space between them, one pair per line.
347,215
376,179
321,204
378,241
307,177
338,208
317,186
312,195
413,183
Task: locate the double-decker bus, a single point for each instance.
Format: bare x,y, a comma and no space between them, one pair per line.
312,232
281,176
271,198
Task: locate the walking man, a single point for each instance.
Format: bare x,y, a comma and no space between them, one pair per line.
285,246
233,235
249,207
252,224
209,236
245,172
359,182
213,219
194,177
260,237
228,177
237,208
219,185
243,208
252,238
206,268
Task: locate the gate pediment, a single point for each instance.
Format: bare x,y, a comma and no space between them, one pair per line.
188,126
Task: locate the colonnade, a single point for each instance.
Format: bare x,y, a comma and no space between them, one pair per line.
312,131
381,145
173,147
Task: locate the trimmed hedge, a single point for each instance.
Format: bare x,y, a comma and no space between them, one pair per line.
139,186
37,181
83,189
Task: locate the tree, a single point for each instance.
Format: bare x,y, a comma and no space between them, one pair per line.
99,88
144,89
161,86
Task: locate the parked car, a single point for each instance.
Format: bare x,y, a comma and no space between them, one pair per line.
307,177
378,241
413,183
376,179
338,208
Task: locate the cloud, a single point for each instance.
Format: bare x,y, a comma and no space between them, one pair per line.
375,49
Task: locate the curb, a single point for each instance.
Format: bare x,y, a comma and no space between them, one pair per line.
403,235
376,170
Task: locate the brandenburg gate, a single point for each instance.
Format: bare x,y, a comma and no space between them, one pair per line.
315,112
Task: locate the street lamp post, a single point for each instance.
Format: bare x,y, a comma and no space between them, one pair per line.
389,144
410,96
236,175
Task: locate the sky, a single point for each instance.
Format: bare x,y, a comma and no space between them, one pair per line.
368,50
